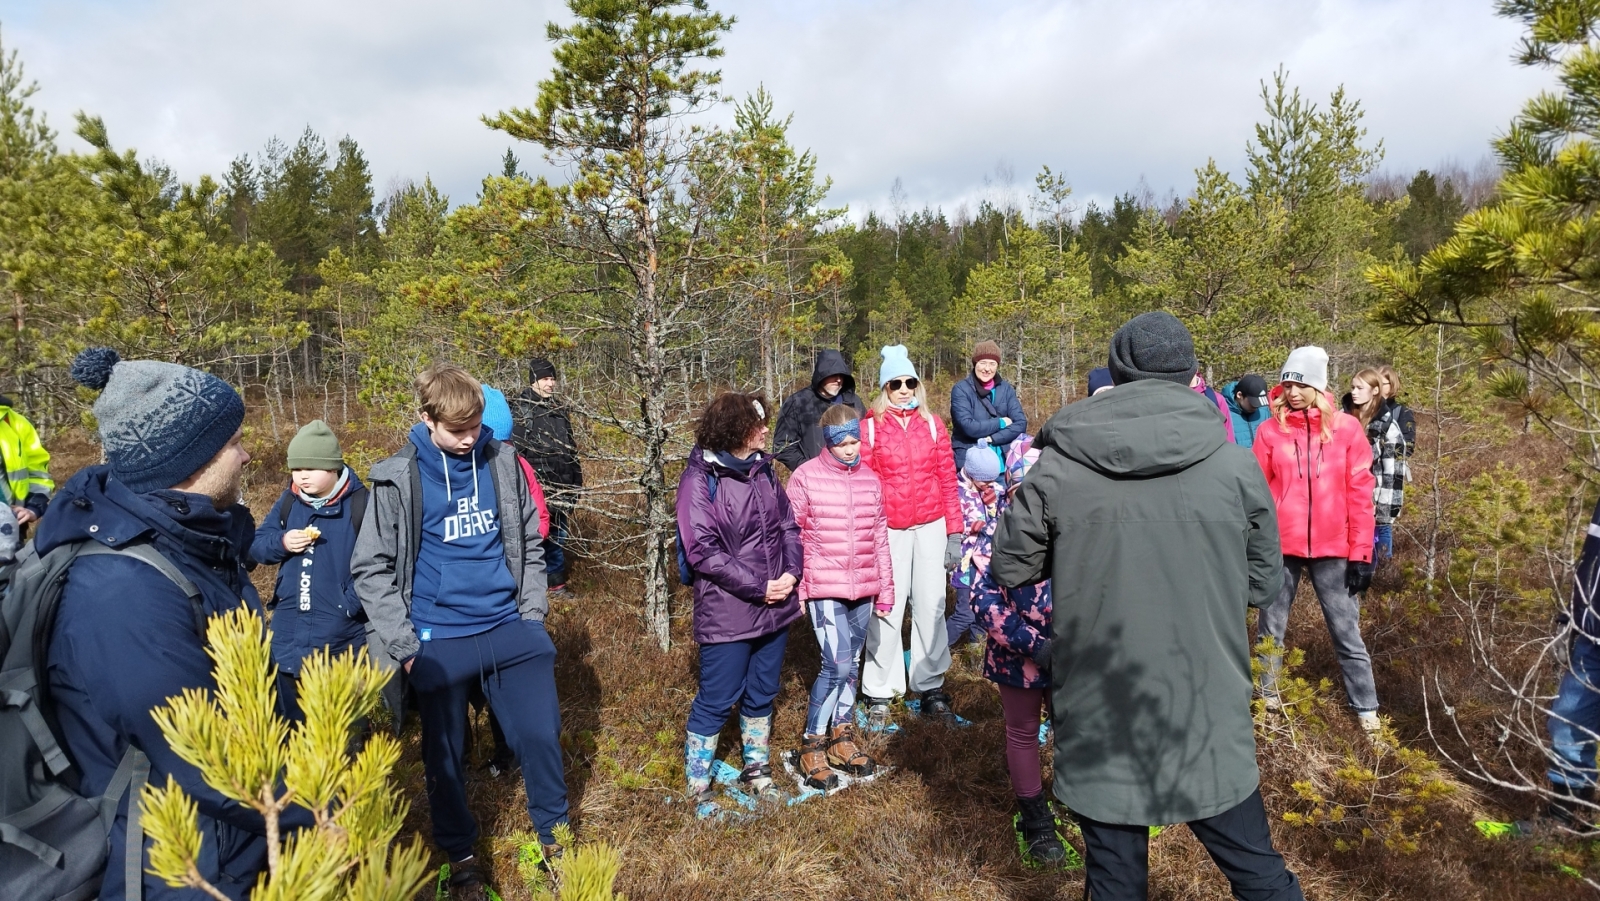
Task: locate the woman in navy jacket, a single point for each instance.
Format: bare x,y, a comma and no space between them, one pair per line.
984,405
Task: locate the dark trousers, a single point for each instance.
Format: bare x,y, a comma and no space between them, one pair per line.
963,620
514,663
745,672
1238,840
555,547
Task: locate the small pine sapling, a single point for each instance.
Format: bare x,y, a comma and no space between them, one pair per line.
246,751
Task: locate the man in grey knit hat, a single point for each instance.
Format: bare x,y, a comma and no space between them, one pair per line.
127,636
1156,533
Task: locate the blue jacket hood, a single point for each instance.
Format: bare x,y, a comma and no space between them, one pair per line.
92,505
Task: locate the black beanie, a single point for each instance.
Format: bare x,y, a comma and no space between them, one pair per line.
1152,345
540,368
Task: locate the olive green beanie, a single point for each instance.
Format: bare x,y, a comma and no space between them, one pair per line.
315,446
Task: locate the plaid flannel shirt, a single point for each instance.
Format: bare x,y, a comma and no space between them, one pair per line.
1389,467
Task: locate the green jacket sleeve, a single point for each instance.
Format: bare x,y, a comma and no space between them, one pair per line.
1262,549
1022,540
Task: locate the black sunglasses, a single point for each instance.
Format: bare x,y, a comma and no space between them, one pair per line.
894,384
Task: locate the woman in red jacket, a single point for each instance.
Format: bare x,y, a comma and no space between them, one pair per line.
907,446
1319,467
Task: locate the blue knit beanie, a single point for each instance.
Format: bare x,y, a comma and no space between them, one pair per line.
159,422
896,364
497,413
982,464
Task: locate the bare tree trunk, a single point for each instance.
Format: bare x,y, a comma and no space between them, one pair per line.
1436,525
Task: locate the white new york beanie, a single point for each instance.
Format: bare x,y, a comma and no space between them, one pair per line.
1307,365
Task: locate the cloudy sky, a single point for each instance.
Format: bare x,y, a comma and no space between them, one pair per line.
946,95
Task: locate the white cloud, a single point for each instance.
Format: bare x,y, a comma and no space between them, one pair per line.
935,92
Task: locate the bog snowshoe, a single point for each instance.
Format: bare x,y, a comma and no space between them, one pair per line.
876,715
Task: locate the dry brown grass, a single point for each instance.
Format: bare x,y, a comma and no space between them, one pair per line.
939,826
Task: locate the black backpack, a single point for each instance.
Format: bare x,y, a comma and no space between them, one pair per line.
52,838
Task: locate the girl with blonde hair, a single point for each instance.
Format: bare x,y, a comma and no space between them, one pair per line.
1319,467
909,449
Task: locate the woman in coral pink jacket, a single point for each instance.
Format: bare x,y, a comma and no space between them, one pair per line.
848,574
1319,466
908,447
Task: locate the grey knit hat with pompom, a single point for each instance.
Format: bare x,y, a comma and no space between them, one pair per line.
159,422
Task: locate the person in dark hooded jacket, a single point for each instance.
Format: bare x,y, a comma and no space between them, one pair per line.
125,639
1156,535
798,437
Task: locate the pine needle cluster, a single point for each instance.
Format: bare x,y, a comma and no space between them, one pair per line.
247,751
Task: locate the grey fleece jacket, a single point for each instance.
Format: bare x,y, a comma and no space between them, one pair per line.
386,550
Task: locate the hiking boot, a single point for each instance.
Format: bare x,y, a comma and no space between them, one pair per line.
844,755
1037,824
562,592
936,706
1569,810
880,716
814,763
468,881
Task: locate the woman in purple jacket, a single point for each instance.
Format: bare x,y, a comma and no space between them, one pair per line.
740,540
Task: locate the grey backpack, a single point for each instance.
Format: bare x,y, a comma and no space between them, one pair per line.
53,839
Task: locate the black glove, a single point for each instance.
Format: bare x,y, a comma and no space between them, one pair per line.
1358,576
1041,653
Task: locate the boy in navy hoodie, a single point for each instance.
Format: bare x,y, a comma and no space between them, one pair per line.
449,569
310,534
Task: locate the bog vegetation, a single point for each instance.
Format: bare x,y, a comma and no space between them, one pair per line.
673,258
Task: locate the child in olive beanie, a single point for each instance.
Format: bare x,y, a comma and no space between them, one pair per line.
315,446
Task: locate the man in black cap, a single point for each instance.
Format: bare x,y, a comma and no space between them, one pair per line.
1247,406
542,433
1155,533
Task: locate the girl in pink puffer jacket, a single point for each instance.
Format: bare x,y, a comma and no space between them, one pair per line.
847,575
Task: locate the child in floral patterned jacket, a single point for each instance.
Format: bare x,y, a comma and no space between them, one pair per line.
982,495
1017,660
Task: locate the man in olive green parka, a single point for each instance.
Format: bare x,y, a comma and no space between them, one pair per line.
1156,534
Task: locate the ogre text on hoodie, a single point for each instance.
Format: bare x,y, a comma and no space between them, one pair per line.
463,585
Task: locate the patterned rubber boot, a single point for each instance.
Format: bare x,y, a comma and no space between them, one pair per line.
757,773
698,753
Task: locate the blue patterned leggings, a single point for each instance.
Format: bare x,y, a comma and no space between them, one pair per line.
841,628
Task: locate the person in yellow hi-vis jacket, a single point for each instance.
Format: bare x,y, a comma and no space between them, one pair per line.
27,480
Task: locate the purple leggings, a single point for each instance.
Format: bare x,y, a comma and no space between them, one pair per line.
1022,707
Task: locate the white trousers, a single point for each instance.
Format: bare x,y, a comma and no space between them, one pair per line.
919,580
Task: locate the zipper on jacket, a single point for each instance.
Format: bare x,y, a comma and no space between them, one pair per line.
1310,494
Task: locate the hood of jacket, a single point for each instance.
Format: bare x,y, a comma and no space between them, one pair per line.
829,364
458,471
706,461
1142,429
92,505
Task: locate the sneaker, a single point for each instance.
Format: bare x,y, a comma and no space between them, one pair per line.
1272,703
936,706
1370,723
468,881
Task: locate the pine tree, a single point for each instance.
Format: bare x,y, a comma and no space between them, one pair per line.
637,209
